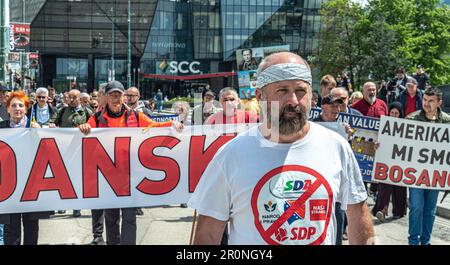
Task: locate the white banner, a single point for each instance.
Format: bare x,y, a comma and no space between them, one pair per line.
54,169
413,154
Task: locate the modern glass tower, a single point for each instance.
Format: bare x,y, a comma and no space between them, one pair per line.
177,45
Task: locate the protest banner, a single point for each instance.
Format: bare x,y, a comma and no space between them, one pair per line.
413,154
365,134
53,169
164,118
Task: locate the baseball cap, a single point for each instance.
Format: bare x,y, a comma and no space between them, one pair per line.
113,86
411,80
330,99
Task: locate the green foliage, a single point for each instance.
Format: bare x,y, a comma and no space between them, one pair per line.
371,41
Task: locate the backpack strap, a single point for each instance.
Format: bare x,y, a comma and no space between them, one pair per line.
97,117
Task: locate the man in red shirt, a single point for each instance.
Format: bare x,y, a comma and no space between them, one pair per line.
117,114
411,98
230,114
370,105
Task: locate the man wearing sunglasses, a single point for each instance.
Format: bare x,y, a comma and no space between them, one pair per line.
342,93
42,110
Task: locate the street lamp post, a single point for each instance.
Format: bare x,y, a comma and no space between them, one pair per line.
4,38
129,45
138,77
113,44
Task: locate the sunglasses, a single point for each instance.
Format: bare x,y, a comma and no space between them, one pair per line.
41,97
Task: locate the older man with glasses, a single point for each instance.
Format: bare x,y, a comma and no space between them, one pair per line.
42,111
133,95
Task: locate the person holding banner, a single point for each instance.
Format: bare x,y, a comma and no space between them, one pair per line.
17,105
371,106
330,111
380,210
42,111
117,114
271,182
422,202
342,93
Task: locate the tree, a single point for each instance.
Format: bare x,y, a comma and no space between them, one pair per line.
340,38
371,41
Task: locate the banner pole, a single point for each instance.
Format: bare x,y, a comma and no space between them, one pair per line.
193,228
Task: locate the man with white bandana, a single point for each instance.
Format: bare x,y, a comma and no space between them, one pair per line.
271,182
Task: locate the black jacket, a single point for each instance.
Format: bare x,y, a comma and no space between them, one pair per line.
51,109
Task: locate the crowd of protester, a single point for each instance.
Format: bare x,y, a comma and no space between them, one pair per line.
403,97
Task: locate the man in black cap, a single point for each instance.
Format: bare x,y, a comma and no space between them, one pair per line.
411,98
3,97
422,78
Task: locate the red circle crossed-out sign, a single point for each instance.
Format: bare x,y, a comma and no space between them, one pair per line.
285,208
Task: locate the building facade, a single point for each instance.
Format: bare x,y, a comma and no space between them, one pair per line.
179,46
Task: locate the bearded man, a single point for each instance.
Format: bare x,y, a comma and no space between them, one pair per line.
274,183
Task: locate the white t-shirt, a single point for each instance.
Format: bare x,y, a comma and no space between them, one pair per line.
252,182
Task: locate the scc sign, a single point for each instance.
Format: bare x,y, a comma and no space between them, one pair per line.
184,67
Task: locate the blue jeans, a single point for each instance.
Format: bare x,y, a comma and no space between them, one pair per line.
1,235
340,219
422,210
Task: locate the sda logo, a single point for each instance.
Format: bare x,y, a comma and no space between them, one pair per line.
296,186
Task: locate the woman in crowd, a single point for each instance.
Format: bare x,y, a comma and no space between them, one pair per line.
355,97
17,106
182,108
380,210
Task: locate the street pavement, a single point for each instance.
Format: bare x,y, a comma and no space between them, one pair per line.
171,225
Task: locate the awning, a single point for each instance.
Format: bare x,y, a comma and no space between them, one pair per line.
188,77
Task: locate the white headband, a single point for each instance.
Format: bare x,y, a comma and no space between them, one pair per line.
283,72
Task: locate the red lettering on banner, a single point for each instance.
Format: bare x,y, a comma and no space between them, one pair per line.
151,161
409,174
439,178
48,155
381,171
8,171
396,177
117,173
423,179
199,158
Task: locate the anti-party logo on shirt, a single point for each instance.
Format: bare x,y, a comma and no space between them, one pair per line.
292,205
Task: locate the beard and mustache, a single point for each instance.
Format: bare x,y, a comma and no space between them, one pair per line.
292,124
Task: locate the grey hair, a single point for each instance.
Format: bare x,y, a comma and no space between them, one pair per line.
227,90
84,95
339,89
42,90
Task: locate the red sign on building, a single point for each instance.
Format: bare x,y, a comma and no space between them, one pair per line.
20,36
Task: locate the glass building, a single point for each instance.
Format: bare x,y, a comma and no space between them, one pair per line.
179,46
